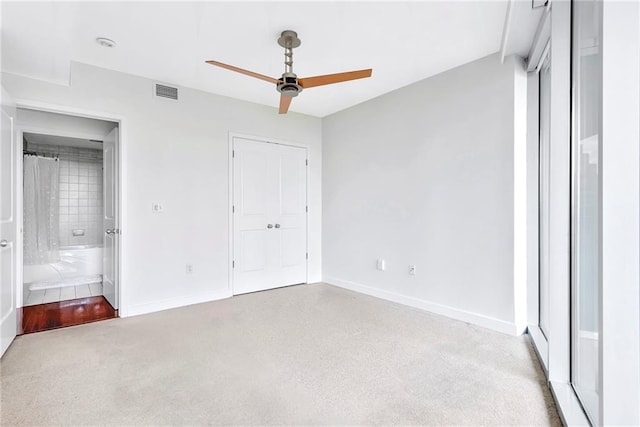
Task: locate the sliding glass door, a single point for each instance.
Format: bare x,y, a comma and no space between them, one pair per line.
544,78
585,215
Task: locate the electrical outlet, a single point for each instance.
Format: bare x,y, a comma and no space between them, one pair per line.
412,270
381,264
189,268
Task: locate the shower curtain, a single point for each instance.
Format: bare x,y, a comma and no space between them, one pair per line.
41,211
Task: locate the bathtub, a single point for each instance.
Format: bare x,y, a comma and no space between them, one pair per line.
78,265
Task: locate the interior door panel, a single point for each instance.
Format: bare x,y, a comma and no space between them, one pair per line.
8,233
110,221
269,215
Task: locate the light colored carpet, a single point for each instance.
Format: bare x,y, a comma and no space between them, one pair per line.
311,354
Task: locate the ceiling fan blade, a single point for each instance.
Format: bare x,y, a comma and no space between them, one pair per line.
285,101
243,71
307,82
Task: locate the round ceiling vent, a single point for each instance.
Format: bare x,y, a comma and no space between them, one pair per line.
105,42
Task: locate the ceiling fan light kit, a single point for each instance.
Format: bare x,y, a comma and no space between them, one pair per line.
289,85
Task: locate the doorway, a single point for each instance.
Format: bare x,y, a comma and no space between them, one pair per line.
269,215
69,220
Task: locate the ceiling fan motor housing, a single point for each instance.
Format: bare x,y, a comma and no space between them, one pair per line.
288,85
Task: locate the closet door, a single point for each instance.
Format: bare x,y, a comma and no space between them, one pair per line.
269,216
291,219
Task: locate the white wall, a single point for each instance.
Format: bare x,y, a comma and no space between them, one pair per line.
77,127
177,153
424,175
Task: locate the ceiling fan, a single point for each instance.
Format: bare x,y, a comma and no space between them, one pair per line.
289,85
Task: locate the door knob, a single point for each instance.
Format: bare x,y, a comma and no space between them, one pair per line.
269,225
277,225
108,231
3,243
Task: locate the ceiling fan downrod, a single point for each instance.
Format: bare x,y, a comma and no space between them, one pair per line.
288,60
288,83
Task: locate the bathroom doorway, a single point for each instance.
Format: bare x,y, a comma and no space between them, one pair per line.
70,205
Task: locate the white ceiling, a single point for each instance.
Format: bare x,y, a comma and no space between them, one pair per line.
169,41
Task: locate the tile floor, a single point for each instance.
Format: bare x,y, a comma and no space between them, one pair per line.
43,296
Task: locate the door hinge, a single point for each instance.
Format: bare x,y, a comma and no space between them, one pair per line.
233,209
307,255
233,264
306,208
306,162
233,153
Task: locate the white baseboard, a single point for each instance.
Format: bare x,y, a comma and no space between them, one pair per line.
153,306
454,313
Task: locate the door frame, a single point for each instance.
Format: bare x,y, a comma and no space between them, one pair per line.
84,113
266,140
540,340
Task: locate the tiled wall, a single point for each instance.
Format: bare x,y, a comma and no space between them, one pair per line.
80,193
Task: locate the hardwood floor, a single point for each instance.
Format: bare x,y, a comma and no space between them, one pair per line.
42,317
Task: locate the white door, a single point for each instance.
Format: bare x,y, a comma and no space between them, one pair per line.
269,215
291,216
110,221
8,233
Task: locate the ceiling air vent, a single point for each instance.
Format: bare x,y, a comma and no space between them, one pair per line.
166,91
